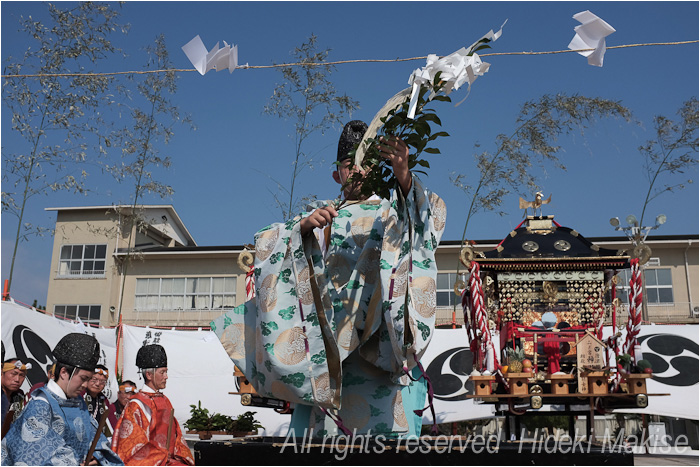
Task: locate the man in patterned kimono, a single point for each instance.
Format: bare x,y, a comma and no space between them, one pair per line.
148,433
55,427
97,402
345,305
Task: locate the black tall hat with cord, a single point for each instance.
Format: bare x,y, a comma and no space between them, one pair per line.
78,350
151,356
351,136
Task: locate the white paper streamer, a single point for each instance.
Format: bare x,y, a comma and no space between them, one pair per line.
218,59
457,68
591,34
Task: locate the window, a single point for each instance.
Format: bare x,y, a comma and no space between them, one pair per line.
82,260
86,313
445,289
659,287
185,293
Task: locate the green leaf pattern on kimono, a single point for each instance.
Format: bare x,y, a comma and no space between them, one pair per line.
296,379
303,339
287,313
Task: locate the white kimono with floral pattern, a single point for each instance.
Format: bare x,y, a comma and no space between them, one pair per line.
339,330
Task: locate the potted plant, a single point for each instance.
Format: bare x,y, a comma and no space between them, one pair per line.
205,424
244,425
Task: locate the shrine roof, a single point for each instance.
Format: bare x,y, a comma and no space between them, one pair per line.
542,243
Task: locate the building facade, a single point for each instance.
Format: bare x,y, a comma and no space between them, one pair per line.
143,266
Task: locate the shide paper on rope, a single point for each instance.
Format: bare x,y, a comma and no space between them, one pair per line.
591,34
218,59
462,66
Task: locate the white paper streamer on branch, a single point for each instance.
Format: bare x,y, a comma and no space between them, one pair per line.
217,59
591,34
457,68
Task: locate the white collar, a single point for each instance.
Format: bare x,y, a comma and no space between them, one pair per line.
371,198
147,388
56,389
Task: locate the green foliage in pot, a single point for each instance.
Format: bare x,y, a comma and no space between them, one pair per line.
245,422
202,420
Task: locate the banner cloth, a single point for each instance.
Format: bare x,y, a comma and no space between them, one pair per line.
672,351
198,367
31,336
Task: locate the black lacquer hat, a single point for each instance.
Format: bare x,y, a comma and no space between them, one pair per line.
78,350
352,134
151,356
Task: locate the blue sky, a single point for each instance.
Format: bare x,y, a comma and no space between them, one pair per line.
222,171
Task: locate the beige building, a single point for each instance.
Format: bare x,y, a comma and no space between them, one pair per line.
146,263
107,258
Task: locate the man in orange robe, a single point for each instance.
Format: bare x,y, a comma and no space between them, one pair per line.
147,433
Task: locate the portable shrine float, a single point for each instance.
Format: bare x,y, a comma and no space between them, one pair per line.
535,307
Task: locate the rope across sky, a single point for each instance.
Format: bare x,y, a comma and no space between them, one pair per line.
339,62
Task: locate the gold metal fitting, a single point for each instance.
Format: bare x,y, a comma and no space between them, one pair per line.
245,260
536,402
642,400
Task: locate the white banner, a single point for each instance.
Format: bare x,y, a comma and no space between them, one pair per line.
672,351
198,367
31,336
448,363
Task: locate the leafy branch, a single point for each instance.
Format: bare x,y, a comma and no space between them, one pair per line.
416,132
533,142
674,150
59,119
150,128
435,82
304,94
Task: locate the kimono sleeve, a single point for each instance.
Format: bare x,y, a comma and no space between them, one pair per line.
428,214
282,340
34,439
104,454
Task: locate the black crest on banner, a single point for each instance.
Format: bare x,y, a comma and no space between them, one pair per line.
449,373
674,359
30,348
